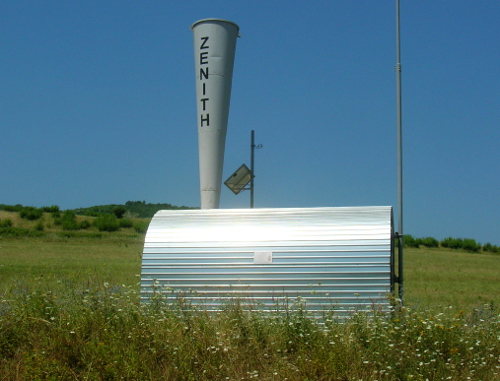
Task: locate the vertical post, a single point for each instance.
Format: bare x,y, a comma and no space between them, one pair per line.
400,153
252,149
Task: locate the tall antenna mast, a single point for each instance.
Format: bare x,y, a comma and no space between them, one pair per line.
400,153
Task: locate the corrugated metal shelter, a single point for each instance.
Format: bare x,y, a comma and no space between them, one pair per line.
340,258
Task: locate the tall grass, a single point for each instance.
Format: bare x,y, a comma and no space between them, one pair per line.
103,333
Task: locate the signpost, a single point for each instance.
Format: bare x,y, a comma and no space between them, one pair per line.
243,175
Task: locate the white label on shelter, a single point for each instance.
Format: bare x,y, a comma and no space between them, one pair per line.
263,257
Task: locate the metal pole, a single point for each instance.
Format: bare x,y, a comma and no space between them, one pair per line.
252,149
400,153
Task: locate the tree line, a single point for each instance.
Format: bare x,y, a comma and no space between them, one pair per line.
467,244
115,216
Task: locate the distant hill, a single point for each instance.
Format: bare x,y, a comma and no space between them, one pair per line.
139,209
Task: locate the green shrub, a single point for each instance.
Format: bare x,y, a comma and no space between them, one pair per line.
30,213
429,242
445,242
50,209
119,211
107,222
39,226
19,232
141,227
452,243
68,221
11,208
125,223
471,245
69,225
410,241
84,224
488,247
7,223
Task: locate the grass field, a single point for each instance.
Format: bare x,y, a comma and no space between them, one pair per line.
69,311
53,264
440,277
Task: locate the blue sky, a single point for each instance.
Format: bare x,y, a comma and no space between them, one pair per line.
98,106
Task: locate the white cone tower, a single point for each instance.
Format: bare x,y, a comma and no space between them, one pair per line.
214,49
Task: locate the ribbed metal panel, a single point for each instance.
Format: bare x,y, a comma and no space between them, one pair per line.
338,258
